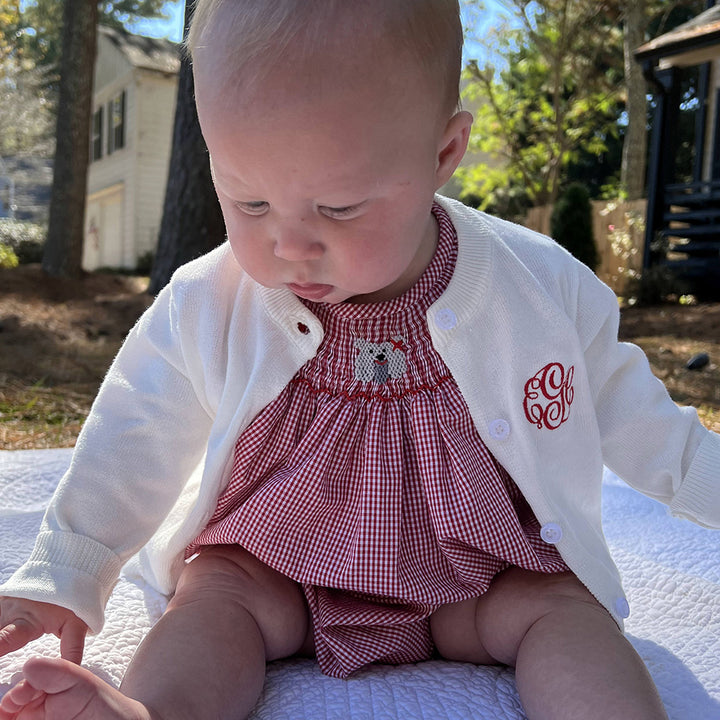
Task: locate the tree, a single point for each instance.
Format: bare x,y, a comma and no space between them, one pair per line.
571,224
192,222
40,36
25,117
9,25
36,36
40,32
634,157
571,89
64,244
557,95
116,13
640,19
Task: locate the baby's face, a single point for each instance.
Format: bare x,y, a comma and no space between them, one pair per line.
326,185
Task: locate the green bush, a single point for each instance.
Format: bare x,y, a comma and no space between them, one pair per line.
25,239
8,258
571,224
145,263
658,284
30,251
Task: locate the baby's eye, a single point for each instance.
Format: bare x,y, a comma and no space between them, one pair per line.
341,213
259,207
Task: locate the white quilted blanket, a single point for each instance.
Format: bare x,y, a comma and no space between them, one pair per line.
671,571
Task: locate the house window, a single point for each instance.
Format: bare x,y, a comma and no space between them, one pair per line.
97,130
116,123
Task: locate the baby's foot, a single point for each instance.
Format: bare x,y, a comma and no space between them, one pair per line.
54,689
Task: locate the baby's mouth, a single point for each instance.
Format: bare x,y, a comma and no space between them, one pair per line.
310,291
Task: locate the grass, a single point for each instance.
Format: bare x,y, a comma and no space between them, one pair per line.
36,416
56,343
699,388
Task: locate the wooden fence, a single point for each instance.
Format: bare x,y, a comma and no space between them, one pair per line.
618,229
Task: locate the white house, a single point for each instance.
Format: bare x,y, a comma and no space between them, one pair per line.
133,111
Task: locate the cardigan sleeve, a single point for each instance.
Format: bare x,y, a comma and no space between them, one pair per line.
146,433
655,446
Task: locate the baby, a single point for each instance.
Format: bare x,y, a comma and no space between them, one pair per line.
371,427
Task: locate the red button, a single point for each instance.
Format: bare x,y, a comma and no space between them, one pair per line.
303,328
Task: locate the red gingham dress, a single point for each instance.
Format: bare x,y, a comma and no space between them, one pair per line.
367,483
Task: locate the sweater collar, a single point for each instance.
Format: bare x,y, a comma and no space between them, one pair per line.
476,250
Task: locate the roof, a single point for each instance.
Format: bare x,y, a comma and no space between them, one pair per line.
701,31
145,52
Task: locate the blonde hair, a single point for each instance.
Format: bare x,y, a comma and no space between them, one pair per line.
430,31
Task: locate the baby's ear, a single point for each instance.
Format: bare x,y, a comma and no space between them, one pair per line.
452,147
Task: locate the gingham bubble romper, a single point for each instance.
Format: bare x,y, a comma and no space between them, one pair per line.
367,483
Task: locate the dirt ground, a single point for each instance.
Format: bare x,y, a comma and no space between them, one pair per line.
57,340
671,335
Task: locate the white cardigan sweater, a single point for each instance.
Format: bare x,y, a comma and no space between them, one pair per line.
215,348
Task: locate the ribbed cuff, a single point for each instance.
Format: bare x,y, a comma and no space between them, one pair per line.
698,498
69,570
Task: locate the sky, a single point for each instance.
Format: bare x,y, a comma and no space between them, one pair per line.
172,27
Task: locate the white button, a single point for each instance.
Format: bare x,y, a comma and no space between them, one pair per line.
551,533
499,429
622,608
445,319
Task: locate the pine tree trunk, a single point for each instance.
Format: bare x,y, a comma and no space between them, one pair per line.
635,143
64,246
192,222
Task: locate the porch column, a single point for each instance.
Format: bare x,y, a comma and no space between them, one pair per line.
662,150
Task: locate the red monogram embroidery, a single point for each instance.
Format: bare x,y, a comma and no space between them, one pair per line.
548,396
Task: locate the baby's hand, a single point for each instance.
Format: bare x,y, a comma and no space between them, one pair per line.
22,621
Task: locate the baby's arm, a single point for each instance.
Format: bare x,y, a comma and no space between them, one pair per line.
22,621
144,437
654,445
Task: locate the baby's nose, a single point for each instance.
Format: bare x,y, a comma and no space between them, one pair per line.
297,244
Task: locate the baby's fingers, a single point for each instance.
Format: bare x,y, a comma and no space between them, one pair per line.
17,634
72,640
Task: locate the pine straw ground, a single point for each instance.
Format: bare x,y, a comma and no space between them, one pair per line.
57,340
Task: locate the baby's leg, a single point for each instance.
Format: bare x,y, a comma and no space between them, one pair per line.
204,659
571,660
206,656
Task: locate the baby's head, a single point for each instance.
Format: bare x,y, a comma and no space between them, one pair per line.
330,125
263,35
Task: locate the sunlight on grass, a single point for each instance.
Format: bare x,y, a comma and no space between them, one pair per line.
38,417
710,417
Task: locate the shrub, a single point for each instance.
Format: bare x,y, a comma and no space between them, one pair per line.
27,240
30,251
658,284
8,258
571,224
145,263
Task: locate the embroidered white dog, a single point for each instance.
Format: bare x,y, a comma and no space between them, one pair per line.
378,362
